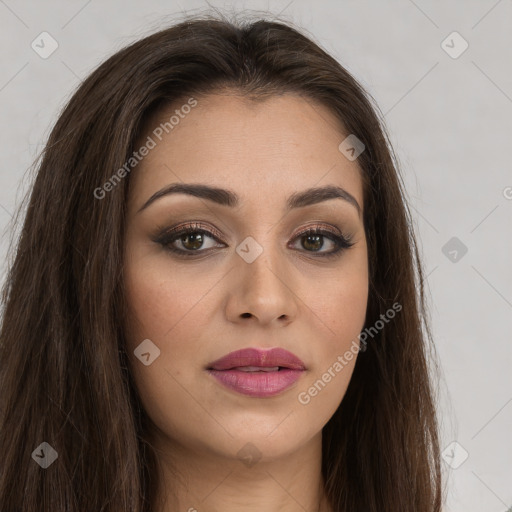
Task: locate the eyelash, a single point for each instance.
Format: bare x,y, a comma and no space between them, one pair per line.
167,236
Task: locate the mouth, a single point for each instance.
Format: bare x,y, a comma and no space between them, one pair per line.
258,368
255,359
258,373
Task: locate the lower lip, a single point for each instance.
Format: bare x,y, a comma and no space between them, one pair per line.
257,384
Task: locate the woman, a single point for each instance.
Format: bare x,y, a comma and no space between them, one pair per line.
216,301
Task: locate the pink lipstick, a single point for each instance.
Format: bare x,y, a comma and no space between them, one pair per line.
256,372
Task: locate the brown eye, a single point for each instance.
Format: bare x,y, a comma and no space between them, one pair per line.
190,240
312,240
187,240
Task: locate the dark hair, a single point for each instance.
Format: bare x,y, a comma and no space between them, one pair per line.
64,375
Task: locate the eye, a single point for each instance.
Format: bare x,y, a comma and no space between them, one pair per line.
189,240
186,240
312,239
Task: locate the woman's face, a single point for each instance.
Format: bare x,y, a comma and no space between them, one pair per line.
249,279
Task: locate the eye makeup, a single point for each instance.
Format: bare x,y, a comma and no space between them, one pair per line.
195,234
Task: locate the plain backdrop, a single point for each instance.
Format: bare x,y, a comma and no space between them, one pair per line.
448,110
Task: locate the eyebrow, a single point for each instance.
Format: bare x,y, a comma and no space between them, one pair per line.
229,198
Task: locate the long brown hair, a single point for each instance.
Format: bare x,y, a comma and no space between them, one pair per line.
64,375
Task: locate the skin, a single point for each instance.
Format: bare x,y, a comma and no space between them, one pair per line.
198,309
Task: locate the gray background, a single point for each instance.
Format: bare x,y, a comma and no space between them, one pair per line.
450,124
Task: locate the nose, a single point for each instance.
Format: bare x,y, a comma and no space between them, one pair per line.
263,291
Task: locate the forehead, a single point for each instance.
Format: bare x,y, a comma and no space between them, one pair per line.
261,149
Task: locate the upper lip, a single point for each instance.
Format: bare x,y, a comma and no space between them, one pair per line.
258,357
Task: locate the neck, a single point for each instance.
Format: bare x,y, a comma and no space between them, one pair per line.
195,480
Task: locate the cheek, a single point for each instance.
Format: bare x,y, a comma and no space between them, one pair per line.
340,311
342,308
340,301
174,308
160,302
173,322
342,316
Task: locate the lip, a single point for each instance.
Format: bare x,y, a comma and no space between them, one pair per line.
258,383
